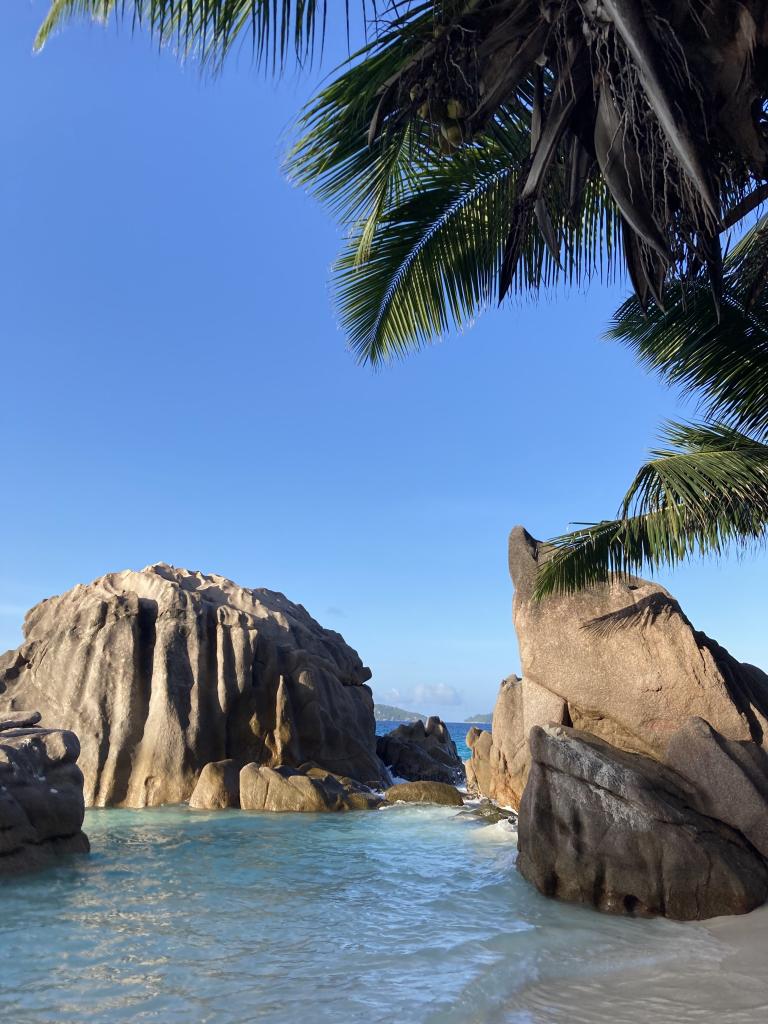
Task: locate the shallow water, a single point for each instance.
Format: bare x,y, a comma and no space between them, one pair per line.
412,915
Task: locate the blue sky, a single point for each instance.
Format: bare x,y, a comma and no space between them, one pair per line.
176,387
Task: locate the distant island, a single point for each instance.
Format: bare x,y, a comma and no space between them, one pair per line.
480,719
389,713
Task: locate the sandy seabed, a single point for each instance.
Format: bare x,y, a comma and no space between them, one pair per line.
720,978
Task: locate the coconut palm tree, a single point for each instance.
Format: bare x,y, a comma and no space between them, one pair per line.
709,488
486,147
662,100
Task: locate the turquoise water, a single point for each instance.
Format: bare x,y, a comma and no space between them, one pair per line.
411,915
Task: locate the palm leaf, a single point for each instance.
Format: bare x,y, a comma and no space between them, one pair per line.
725,359
277,29
706,493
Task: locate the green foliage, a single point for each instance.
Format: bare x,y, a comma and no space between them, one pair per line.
207,29
709,490
429,229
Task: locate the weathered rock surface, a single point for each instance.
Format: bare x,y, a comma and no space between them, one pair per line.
618,830
418,751
285,789
41,794
728,779
218,787
162,671
498,766
424,793
478,767
622,662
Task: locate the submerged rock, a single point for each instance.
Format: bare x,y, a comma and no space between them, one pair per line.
424,793
162,671
618,831
419,751
41,794
490,813
285,789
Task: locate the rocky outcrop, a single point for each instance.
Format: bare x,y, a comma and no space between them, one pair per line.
163,671
419,751
478,767
424,793
284,789
498,765
41,793
647,746
619,831
622,662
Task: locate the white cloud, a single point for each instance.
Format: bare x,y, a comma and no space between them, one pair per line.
438,693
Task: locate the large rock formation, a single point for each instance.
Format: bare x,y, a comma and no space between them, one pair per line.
665,770
618,830
41,793
160,672
418,751
623,662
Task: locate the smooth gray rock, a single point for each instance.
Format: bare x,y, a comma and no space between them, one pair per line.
41,797
163,671
618,831
728,779
418,751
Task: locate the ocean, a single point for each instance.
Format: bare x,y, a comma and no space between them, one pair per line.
413,915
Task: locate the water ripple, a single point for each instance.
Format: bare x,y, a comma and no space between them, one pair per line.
414,915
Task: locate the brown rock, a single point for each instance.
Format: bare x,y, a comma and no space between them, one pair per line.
617,830
415,750
285,789
478,767
424,793
218,787
499,769
161,672
622,662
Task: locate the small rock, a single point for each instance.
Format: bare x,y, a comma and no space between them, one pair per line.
424,792
218,787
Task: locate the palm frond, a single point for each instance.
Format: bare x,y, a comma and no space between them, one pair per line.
707,492
724,359
433,259
278,30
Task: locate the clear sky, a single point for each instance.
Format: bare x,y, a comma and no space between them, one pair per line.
176,388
